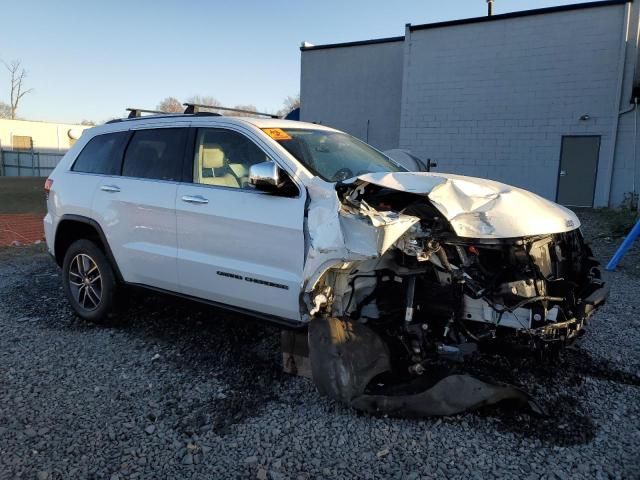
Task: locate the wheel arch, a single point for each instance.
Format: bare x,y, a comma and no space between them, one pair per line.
74,227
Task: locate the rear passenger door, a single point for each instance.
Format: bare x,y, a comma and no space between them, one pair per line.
237,245
136,209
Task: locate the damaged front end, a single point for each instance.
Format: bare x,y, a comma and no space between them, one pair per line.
408,271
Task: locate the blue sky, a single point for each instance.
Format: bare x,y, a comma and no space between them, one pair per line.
90,60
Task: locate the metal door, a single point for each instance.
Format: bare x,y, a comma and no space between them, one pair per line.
239,246
578,168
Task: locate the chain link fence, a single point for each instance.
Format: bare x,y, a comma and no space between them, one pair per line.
15,163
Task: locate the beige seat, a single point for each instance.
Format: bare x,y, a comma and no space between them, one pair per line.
241,172
215,169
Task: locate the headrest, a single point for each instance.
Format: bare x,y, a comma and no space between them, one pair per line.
212,156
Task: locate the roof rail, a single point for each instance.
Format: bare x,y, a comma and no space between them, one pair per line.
195,108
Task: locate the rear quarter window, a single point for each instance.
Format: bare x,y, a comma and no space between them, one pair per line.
155,153
102,154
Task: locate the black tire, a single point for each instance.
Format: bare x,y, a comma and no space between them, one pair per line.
89,281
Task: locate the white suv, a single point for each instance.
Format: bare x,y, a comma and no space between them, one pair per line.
301,224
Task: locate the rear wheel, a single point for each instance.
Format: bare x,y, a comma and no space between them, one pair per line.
89,281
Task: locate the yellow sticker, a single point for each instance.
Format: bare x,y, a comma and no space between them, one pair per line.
277,133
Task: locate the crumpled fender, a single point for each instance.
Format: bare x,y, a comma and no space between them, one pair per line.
477,207
346,356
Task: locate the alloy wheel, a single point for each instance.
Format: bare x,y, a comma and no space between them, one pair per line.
85,281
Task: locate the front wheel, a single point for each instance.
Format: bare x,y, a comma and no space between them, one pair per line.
88,281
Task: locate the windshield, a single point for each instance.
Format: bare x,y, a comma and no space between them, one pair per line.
334,156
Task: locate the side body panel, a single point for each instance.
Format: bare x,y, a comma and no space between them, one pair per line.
139,222
242,247
72,193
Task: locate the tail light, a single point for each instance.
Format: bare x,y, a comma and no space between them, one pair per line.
47,187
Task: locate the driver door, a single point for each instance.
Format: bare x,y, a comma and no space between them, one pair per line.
236,245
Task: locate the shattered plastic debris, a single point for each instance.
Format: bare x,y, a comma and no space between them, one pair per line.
346,356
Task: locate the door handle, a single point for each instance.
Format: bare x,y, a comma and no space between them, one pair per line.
110,188
198,199
563,173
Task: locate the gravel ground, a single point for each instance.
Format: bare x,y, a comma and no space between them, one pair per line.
181,391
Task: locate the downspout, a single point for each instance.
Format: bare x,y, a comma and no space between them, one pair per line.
606,195
635,148
406,67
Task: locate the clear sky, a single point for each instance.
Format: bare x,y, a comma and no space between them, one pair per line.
90,60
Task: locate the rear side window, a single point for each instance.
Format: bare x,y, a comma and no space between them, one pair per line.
155,153
103,154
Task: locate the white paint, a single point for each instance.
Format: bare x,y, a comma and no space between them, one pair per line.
160,241
356,89
493,99
46,137
478,208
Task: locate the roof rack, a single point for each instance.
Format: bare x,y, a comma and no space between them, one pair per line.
137,112
190,109
136,115
195,108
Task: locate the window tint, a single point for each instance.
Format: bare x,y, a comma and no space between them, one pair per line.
335,156
103,154
223,158
155,153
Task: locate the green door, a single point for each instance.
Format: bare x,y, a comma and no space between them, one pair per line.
578,168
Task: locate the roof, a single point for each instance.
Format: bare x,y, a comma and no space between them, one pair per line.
523,13
207,120
466,21
354,44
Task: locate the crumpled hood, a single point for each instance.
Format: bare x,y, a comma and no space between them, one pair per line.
479,208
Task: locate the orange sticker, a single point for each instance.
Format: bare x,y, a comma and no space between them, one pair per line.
277,133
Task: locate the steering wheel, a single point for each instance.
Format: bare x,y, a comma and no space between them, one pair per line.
342,174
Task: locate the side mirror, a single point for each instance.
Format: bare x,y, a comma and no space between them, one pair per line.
265,176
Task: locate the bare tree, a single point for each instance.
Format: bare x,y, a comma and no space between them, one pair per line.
249,108
5,110
290,104
89,123
17,88
205,100
170,105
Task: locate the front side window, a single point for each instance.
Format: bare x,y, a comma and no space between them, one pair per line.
155,153
334,156
102,154
223,158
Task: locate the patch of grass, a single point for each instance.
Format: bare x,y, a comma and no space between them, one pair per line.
615,222
22,195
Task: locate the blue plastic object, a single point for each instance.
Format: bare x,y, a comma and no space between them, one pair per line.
293,114
622,249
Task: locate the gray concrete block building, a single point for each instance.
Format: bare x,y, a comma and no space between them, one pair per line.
541,99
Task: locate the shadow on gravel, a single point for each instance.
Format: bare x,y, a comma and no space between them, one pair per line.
195,341
565,424
562,378
206,342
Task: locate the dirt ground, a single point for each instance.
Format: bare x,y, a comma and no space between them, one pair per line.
22,206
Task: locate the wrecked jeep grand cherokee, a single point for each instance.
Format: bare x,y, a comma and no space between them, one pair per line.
393,272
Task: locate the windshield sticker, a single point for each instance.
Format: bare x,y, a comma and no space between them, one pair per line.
277,133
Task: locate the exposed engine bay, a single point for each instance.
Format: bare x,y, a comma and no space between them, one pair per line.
428,294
